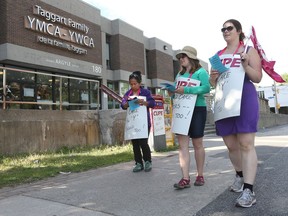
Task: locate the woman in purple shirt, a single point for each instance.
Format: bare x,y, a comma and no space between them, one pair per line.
136,89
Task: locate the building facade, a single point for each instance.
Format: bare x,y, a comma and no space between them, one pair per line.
55,57
277,96
56,54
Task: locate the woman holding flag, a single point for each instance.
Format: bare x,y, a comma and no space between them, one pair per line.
237,112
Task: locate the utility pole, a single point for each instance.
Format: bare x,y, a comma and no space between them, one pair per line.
275,97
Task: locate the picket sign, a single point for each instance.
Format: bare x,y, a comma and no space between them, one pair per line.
183,107
136,126
228,91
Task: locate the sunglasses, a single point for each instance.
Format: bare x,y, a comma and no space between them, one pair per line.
229,28
135,76
182,56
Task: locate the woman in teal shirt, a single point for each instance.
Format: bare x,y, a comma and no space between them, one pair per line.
191,69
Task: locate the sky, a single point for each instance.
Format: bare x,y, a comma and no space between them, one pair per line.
198,24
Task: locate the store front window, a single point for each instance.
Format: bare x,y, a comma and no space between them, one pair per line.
23,89
112,104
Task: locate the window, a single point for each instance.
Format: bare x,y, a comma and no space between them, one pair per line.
112,104
39,90
107,51
44,90
148,67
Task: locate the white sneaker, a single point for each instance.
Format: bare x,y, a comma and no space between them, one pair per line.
237,185
246,199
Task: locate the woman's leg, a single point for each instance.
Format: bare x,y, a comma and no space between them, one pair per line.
249,164
184,155
145,150
232,144
199,153
137,151
249,157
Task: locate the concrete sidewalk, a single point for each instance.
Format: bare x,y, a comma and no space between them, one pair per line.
116,191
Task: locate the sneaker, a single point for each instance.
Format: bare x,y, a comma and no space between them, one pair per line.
237,185
183,183
138,167
246,199
199,181
147,166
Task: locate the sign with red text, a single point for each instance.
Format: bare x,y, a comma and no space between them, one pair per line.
228,91
158,122
183,107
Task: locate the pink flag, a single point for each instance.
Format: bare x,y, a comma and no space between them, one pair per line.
267,66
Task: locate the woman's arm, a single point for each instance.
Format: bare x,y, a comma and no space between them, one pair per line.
204,86
214,74
251,63
124,103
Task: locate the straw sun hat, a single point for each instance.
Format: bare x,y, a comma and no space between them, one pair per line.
191,52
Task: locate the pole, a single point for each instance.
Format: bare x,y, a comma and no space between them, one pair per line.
4,89
275,98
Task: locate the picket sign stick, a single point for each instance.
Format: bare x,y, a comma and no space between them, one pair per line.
248,39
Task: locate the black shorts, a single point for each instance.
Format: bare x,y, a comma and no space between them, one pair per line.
198,122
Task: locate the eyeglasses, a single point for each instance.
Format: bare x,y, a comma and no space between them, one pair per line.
229,28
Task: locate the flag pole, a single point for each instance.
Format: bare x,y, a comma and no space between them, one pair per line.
248,39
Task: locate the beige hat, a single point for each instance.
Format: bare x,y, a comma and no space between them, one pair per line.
191,52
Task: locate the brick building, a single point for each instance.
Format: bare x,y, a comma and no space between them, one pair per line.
54,58
62,51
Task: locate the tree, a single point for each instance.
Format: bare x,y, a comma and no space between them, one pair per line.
285,77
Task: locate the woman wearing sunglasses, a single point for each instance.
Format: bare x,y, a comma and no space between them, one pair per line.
238,124
190,72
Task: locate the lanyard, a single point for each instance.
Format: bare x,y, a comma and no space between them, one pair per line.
131,92
239,45
190,76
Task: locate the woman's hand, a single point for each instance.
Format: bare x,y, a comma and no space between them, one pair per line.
251,63
214,74
170,93
180,90
126,105
142,102
244,60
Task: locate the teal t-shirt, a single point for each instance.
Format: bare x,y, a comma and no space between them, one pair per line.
204,87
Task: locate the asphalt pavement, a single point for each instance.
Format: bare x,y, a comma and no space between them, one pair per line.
117,191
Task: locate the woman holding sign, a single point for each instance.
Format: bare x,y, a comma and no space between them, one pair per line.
191,83
236,110
134,98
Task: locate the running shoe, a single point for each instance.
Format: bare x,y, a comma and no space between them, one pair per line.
147,166
246,199
138,167
237,185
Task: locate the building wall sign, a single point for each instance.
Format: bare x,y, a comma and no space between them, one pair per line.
52,25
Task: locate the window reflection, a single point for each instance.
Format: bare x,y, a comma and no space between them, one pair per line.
44,91
38,90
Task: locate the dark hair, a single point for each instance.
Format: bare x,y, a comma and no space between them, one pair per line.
195,63
136,75
238,27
